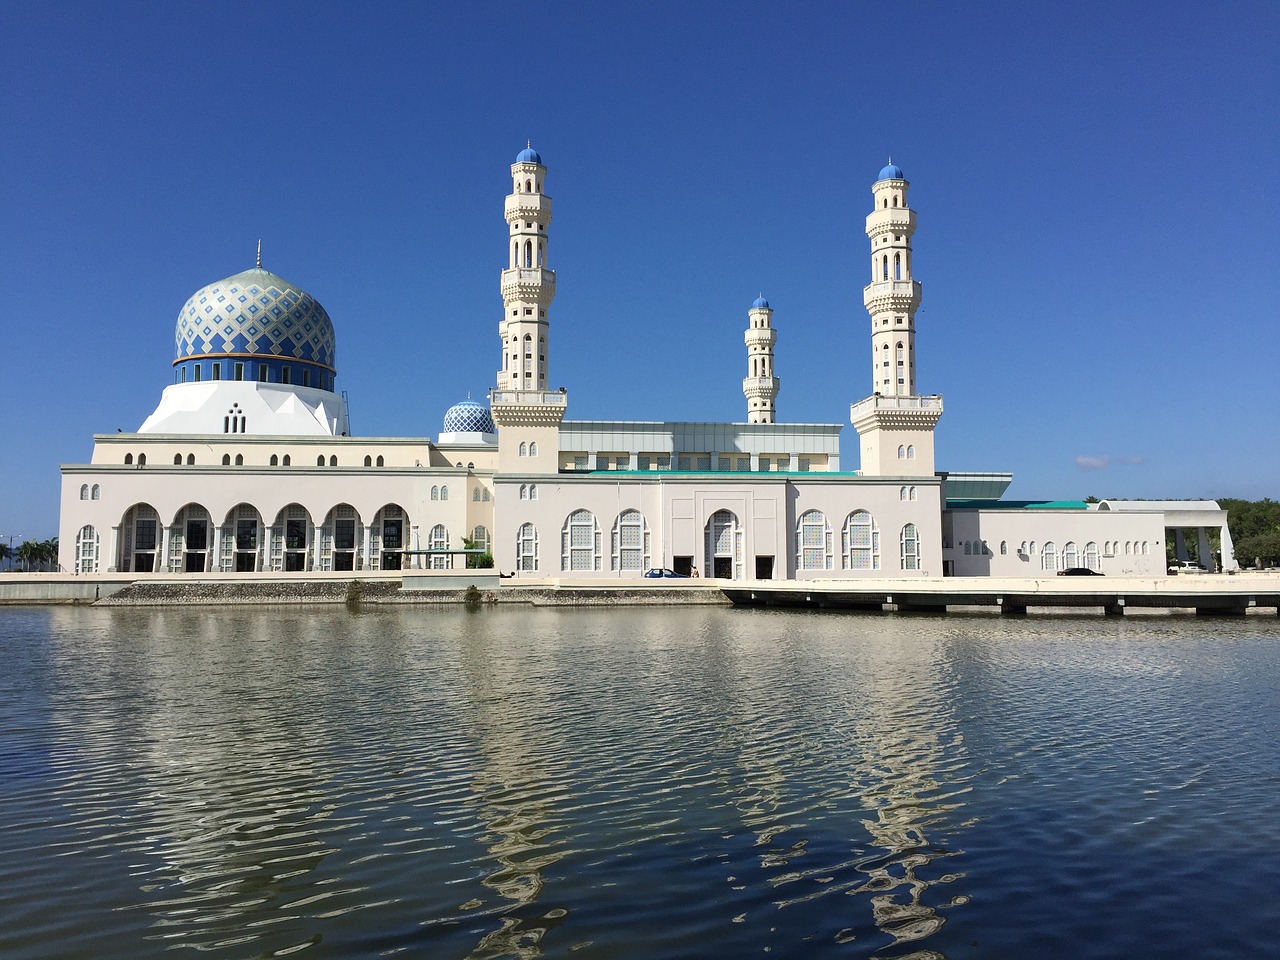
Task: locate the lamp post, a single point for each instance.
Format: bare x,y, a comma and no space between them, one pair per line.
11,537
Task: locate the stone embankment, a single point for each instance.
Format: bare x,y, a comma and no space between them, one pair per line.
377,592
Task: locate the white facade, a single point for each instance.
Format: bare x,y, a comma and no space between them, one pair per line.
245,465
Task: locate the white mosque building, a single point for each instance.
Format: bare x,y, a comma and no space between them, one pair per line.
247,464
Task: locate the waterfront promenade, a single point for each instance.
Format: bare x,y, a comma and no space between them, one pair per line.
1240,594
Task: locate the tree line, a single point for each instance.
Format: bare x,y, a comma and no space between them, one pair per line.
1255,530
32,554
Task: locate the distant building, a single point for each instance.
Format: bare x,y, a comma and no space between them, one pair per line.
246,463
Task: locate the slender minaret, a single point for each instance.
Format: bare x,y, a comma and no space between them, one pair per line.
526,412
895,424
527,285
892,297
760,385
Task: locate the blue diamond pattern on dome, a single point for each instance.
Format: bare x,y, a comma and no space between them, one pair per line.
468,417
260,326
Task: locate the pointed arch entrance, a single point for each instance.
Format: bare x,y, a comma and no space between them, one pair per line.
724,546
241,549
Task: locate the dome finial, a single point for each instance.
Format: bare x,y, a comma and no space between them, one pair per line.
259,253
528,144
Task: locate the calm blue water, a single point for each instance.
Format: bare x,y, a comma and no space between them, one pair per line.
635,783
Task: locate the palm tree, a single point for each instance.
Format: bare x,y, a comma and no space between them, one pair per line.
27,554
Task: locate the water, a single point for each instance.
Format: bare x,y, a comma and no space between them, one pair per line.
635,783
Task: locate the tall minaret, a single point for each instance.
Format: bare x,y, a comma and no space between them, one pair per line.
526,412
760,385
527,286
895,424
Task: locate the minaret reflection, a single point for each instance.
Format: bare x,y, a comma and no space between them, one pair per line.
519,783
910,779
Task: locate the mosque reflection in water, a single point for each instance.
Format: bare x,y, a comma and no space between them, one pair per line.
288,779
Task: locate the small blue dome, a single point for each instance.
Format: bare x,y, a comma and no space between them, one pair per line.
528,155
891,172
468,417
760,304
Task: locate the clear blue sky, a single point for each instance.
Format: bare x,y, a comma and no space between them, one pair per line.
1096,186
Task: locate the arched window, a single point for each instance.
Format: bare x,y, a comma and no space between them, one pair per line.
191,459
96,493
435,493
1145,549
226,459
87,550
444,492
968,548
860,542
1070,556
533,448
1049,556
128,458
524,491
1004,548
903,494
368,461
895,201
528,186
1091,555
580,547
84,491
902,451
480,537
886,266
239,459
484,495
275,461
527,547
320,461
177,459
333,461
533,491
911,451
539,253
897,266
475,494
524,449
913,494
910,547
631,542
142,459
813,542
287,461
438,539
528,253
380,461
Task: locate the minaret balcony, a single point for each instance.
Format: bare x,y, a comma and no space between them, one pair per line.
524,283
760,387
900,412
534,207
761,337
892,293
892,219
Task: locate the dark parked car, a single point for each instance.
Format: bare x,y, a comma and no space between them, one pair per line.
1078,572
664,572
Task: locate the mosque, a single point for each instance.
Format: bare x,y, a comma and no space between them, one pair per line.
247,463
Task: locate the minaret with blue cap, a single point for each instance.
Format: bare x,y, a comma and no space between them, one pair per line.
528,287
760,385
526,412
895,424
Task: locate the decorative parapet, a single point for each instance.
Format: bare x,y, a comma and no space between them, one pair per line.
909,413
528,407
522,283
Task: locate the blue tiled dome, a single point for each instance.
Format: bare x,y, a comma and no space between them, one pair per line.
528,155
255,314
760,303
891,172
468,417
